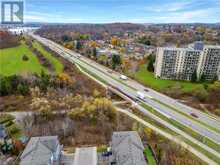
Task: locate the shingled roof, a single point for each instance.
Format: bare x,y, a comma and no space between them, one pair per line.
39,150
127,148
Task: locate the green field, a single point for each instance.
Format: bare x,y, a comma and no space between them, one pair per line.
147,78
11,61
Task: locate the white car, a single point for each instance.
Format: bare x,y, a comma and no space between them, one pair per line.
141,95
123,77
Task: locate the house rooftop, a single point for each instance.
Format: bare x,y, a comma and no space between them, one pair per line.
85,156
39,150
127,148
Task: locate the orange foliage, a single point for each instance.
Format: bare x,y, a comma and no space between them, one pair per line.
141,62
68,46
93,44
63,77
126,63
114,41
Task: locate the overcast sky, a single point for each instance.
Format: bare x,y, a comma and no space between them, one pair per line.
136,11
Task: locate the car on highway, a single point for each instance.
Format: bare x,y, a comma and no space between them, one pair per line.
140,95
194,115
110,71
123,77
146,90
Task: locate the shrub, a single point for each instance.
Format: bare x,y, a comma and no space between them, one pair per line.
5,118
201,94
23,89
13,129
25,58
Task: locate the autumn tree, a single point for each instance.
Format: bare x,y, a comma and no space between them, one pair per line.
96,93
68,46
97,110
93,44
126,64
114,41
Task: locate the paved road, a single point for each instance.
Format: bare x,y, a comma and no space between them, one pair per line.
113,79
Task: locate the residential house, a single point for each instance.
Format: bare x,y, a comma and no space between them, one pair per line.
127,149
45,150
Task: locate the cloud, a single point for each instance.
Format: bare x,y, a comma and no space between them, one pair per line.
187,16
169,11
45,17
169,7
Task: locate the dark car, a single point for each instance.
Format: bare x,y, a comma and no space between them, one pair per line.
194,115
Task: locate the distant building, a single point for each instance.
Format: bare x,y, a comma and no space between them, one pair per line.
127,149
85,156
45,150
181,63
107,52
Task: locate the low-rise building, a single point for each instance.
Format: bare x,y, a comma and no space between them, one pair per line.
107,52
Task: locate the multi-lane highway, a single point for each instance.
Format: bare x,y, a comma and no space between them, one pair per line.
204,125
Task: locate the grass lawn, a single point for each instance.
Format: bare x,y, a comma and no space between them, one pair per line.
147,78
11,61
149,156
55,62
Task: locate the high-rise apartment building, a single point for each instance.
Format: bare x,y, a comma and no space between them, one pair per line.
176,63
182,63
209,64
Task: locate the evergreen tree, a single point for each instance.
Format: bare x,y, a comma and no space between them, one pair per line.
116,60
94,52
203,78
150,65
194,76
